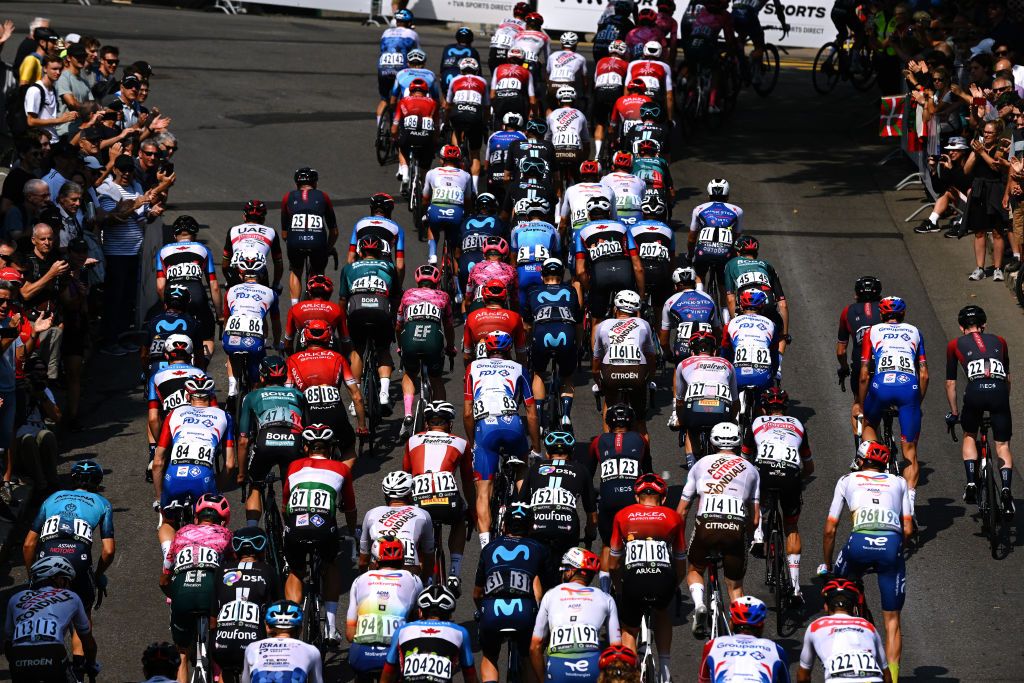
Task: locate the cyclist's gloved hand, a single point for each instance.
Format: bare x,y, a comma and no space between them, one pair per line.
535,456
952,419
432,260
822,570
156,506
102,581
362,431
673,421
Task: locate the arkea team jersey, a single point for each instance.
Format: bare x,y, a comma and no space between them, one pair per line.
485,320
318,374
567,129
984,358
413,526
628,191
378,603
705,377
878,501
626,112
314,309
566,67
430,651
247,238
381,228
655,74
849,648
893,349
434,458
624,341
448,186
573,616
598,242
166,389
497,387
314,489
274,660
648,539
195,435
271,405
198,547
727,485
574,202
729,659
40,616
854,321
395,43
416,118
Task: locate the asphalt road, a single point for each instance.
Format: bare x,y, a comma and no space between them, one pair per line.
252,98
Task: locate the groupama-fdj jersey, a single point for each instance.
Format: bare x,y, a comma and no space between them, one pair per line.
743,658
894,351
495,387
751,342
193,437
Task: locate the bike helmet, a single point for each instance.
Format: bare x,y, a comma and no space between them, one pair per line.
650,483
970,316
775,397
623,8
518,519
200,385
213,507
552,266
534,20
590,167
515,54
439,410
569,39
875,453
255,209
650,111
563,443
495,244
404,16
618,47
648,147
371,245
397,484
183,224
494,290
178,346
486,203
599,205
50,568
647,17
321,284
316,331
683,276
841,590
653,205
416,56
537,205
627,301
512,118
703,341
565,94
622,160
892,307
283,614
497,342
747,611
469,64
521,10
718,187
388,549
87,473
464,35
307,176
725,435
427,274
538,127
436,599
868,288
177,297
531,166
451,153
652,48
382,202
747,245
620,415
580,558
251,264
617,657
162,656
753,299
636,85
273,370
249,540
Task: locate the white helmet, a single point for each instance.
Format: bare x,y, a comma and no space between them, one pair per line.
416,55
512,118
725,435
684,275
49,568
566,93
469,64
618,47
718,187
627,301
178,342
397,484
570,39
652,49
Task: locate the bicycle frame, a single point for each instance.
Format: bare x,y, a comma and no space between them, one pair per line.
315,621
440,569
776,575
989,488
272,523
369,385
645,650
715,602
202,671
510,638
890,440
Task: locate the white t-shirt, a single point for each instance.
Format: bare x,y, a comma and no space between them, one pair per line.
47,109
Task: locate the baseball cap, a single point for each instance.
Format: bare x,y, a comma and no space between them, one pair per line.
72,38
10,274
956,142
984,46
142,67
92,162
44,33
78,245
130,81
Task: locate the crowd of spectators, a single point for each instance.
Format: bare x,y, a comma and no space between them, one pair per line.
91,175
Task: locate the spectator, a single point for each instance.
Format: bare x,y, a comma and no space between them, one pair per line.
147,163
1004,69
1013,196
6,31
45,278
943,106
126,99
29,43
20,219
35,445
984,207
1004,52
950,182
92,56
103,74
30,68
72,88
69,203
75,305
26,168
65,161
168,144
1000,28
41,101
10,328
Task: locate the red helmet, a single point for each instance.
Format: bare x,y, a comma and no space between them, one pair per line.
590,167
650,483
622,160
388,549
521,10
892,307
703,340
617,656
753,299
428,273
255,209
494,290
317,331
647,16
648,147
841,585
419,85
534,18
320,283
875,453
775,397
637,85
580,558
451,153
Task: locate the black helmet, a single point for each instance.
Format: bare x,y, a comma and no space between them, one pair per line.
464,35
177,297
620,415
87,473
185,224
249,540
868,288
970,316
382,202
650,110
486,203
306,176
518,519
273,369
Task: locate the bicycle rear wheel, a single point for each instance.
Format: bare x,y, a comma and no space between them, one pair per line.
992,491
648,662
866,76
370,387
382,143
777,550
825,72
769,70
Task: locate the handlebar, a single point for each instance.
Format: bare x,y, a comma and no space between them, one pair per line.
951,421
842,374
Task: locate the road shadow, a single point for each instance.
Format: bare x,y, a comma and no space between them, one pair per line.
935,517
929,674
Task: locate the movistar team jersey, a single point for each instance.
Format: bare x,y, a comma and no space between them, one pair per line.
368,276
271,405
552,304
450,58
476,229
75,516
508,566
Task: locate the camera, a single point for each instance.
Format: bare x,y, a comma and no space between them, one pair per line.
33,314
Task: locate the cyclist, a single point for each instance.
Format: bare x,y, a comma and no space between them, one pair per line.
652,126
751,344
627,188
626,111
702,48
654,170
505,35
190,571
495,165
425,330
854,320
319,373
669,26
469,104
894,372
779,446
247,306
656,246
536,47
65,526
37,620
496,387
432,648
417,61
189,264
573,208
609,78
456,52
881,510
398,517
493,269
512,87
535,183
553,315
847,644
316,485
566,67
367,290
316,306
533,241
173,319
748,25
556,487
166,387
475,229
648,562
570,617
433,457
447,190
606,259
414,127
646,32
379,224
492,317
845,15
569,133
623,345
269,429
309,229
985,361
655,73
395,45
613,28
281,655
687,311
729,490
243,589
160,662
745,653
713,227
378,605
508,589
251,235
706,392
536,145
748,271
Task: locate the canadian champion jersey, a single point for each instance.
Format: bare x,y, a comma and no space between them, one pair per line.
423,304
469,93
573,616
567,128
854,321
618,458
610,73
648,538
732,659
279,659
430,651
727,484
751,340
378,603
194,435
496,387
655,74
482,321
566,67
655,241
893,348
449,186
395,43
779,441
434,458
624,341
511,80
849,648
38,616
533,242
185,263
198,547
313,489
878,501
984,357
628,190
600,241
574,202
705,377
412,525
167,386
252,237
505,33
381,228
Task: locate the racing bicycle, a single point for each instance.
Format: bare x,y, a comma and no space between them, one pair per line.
994,523
314,622
776,570
383,143
504,491
202,664
717,616
510,637
369,385
768,67
835,62
645,647
272,523
888,437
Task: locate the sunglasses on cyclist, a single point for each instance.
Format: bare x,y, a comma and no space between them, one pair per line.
257,542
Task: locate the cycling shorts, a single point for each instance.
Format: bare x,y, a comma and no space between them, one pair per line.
275,444
449,511
528,278
730,543
607,278
625,384
747,23
758,377
697,416
881,552
365,659
605,519
317,256
658,281
494,434
385,82
201,311
337,419
992,396
699,52
498,614
603,102
369,317
80,557
472,123
466,263
785,481
901,391
417,148
554,342
503,105
629,218
230,655
46,663
655,588
254,347
298,543
446,219
572,668
191,597
422,341
186,480
568,159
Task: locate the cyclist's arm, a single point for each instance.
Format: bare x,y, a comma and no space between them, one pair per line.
540,633
286,218
347,504
843,341
468,423
162,444
922,374
28,549
865,367
828,541
615,547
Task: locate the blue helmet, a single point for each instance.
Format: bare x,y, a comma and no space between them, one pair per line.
87,473
403,15
753,298
284,614
747,611
559,442
498,341
892,306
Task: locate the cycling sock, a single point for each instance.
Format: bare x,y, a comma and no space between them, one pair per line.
476,180
456,567
152,451
403,173
1007,475
485,538
794,570
385,385
605,580
165,547
332,614
294,301
566,405
933,218
969,466
432,248
598,144
665,662
894,669
697,593
758,533
251,523
913,497
407,401
232,386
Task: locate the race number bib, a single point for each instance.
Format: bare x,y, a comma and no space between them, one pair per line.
468,97
653,251
244,325
184,271
322,394
494,405
986,368
240,612
37,629
895,361
712,235
427,664
304,222
686,329
414,122
876,519
511,581
192,453
853,665
697,390
172,401
566,138
501,40
551,496
609,80
624,354
721,505
373,284
626,201
391,59
620,468
376,628
751,277
433,485
646,551
753,355
535,254
447,195
653,84
561,74
777,454
196,557
80,530
604,250
509,84
310,500
573,638
423,310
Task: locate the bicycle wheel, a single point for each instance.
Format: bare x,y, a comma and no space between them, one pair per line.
201,672
370,387
865,77
992,491
275,534
825,72
513,662
769,70
777,548
382,143
648,663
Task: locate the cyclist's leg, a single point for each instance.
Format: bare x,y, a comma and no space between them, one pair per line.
734,562
910,431
485,466
791,500
296,266
384,337
331,572
892,587
876,400
384,84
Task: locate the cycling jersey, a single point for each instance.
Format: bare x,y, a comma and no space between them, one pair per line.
188,265
423,316
640,36
315,309
894,351
193,437
451,55
572,615
553,311
655,74
574,202
648,540
424,304
569,134
538,149
163,325
849,648
506,572
610,28
485,320
743,273
271,405
247,305
624,341
307,216
416,118
381,228
717,225
252,237
533,242
704,380
313,489
854,320
702,38
879,505
653,171
166,388
606,248
743,657
449,189
496,387
986,363
618,459
497,159
243,591
626,112
367,286
403,78
429,651
411,525
629,194
395,43
656,245
555,489
511,90
37,620
536,47
434,458
468,98
319,373
505,33
778,445
523,194
485,271
566,67
272,660
192,561
378,603
610,75
751,342
687,312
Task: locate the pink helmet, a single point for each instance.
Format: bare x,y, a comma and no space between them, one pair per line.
217,503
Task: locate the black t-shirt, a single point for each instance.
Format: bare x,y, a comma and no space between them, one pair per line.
46,298
555,489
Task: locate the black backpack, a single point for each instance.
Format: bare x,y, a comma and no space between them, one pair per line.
15,117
